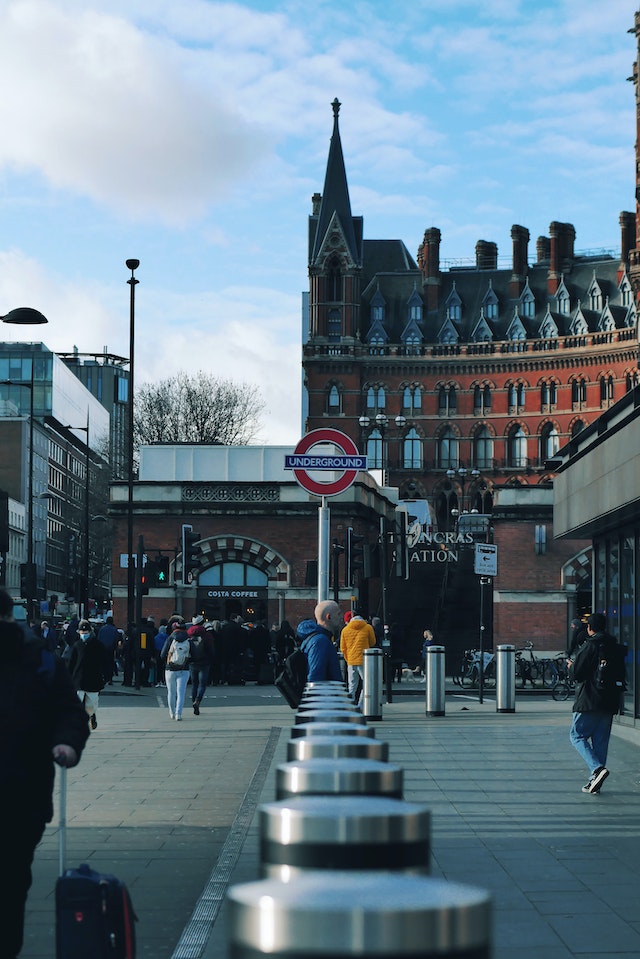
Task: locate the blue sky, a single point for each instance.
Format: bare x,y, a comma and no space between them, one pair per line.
192,136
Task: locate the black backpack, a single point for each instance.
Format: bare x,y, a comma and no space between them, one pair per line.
610,673
293,678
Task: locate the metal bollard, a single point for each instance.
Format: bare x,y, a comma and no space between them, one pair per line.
506,679
330,716
326,702
332,728
337,747
434,671
371,914
343,832
338,777
373,660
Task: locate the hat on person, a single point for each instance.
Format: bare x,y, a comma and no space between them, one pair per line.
348,616
196,620
179,635
84,624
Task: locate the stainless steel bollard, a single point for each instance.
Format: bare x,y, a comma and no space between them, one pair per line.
373,660
330,716
506,679
332,728
343,832
342,914
327,703
434,672
337,747
338,777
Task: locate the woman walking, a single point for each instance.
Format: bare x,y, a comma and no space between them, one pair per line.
176,653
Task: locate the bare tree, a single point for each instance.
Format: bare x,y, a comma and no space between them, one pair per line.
197,408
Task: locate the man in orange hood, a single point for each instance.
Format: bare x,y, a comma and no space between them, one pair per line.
356,636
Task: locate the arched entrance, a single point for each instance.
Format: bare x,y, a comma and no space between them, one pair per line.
237,577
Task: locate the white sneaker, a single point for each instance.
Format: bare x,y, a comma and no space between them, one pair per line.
171,715
178,719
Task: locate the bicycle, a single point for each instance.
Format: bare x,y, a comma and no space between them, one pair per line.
531,669
469,670
565,686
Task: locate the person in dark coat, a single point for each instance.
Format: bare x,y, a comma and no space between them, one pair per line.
41,723
284,640
109,636
88,668
593,708
578,636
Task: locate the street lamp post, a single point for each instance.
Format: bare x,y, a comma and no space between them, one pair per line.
27,316
381,421
462,474
131,579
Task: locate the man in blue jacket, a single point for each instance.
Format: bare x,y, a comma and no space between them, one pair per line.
316,642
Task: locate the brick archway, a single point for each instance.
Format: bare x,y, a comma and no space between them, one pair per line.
227,548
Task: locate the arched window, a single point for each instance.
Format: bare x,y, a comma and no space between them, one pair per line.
481,400
375,398
578,393
333,400
517,448
483,449
606,390
448,450
447,400
577,427
549,442
412,451
374,450
412,399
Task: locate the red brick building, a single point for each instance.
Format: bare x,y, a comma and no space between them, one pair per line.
461,383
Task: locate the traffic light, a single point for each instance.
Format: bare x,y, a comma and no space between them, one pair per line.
147,577
355,556
190,553
28,579
162,571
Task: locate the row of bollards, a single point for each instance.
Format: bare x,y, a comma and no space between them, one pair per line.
435,680
345,859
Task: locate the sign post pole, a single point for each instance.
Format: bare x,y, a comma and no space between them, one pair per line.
346,464
324,523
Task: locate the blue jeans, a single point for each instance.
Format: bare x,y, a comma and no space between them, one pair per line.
176,680
199,679
589,734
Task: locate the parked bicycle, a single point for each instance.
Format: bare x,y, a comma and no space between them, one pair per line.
530,668
565,686
468,673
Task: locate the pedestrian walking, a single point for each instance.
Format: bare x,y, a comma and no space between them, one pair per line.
41,723
199,662
597,701
88,669
356,636
176,653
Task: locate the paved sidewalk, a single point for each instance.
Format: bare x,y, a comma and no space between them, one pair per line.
171,809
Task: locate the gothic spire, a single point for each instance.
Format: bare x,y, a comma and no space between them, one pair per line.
335,196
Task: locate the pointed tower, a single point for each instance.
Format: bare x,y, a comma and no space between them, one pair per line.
335,253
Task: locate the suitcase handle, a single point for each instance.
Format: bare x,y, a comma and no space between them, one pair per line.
62,826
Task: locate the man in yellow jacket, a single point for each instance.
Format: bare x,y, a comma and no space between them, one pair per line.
356,636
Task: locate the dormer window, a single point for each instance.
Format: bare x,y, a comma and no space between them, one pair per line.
490,304
527,303
626,291
562,299
453,305
595,295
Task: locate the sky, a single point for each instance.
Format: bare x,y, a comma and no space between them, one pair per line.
191,136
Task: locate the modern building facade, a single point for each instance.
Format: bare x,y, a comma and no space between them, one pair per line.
53,434
597,494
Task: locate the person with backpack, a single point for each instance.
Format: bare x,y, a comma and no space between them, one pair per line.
42,722
598,669
316,642
176,654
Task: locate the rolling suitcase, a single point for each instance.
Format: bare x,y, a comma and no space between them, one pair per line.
94,914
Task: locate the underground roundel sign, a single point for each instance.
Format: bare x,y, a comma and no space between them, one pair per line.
325,450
